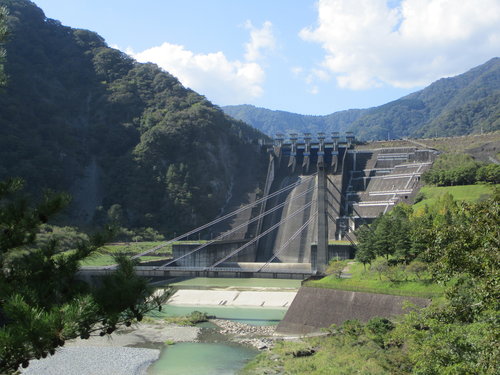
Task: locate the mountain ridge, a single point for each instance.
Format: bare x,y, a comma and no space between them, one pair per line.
79,116
464,104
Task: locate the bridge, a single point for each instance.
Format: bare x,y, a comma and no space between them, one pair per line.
318,190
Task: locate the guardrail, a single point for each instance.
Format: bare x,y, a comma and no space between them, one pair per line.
205,269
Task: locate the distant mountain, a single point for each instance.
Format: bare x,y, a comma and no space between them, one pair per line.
465,104
272,122
79,116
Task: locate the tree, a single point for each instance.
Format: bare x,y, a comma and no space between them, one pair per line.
42,303
364,250
3,37
335,267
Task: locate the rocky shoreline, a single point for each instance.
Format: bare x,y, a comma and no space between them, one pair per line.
132,350
260,337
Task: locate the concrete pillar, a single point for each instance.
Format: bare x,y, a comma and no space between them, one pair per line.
322,248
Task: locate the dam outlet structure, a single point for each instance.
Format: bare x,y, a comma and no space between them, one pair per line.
319,189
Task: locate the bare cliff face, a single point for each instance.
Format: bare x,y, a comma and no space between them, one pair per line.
79,116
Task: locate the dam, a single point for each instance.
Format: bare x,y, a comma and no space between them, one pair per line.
318,190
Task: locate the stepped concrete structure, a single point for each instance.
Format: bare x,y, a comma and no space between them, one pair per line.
319,189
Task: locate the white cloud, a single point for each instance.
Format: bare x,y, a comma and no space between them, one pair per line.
297,70
368,43
260,39
221,80
313,90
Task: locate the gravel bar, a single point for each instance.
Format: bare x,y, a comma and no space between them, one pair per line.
94,361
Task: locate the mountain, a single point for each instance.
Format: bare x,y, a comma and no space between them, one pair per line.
79,116
465,104
272,122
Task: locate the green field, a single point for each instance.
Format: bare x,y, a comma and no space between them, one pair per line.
369,282
107,260
106,253
471,193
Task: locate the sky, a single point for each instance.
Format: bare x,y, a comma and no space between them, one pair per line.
303,56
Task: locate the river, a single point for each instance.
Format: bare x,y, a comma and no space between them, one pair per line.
215,353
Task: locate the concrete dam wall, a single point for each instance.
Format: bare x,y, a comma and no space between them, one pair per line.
317,308
320,191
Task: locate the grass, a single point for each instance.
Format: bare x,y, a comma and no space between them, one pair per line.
106,253
369,282
471,193
106,260
188,320
331,357
134,247
446,144
335,242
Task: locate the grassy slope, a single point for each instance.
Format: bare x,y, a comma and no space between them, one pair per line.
447,144
105,257
106,252
369,282
471,193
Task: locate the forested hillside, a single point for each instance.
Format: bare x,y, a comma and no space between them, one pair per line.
466,104
272,122
79,116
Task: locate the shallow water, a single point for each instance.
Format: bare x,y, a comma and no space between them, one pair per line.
202,358
214,355
258,316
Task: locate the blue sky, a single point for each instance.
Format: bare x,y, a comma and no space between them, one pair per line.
303,56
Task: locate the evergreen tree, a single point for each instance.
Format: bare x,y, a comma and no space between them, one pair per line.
3,37
42,303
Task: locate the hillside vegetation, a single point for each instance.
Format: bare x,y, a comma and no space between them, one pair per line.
455,247
79,116
272,122
466,104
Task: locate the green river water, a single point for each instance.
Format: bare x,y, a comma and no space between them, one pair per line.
192,358
214,354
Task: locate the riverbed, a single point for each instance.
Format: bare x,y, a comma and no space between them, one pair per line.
244,323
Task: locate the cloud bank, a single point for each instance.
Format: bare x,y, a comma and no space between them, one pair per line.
214,75
368,43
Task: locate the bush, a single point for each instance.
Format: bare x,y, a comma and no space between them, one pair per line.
335,267
417,268
489,173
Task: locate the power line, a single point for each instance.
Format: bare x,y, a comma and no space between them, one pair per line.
289,241
235,229
216,221
262,234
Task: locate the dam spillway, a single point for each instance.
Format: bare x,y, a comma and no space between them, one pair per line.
318,190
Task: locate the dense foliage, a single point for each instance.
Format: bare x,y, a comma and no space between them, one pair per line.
81,117
273,122
3,38
459,244
460,169
42,303
466,104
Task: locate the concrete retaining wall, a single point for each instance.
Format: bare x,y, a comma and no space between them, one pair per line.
316,308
